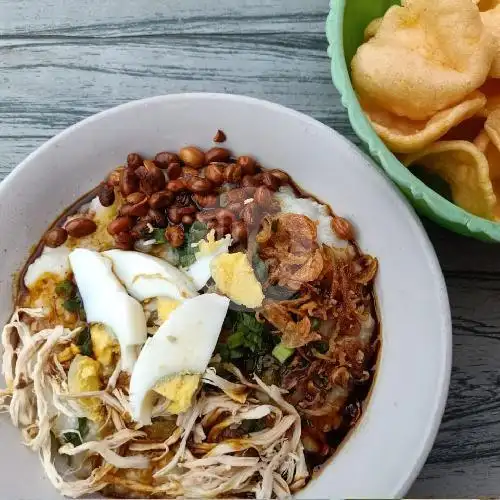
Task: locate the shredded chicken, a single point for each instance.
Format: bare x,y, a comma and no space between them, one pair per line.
106,448
198,459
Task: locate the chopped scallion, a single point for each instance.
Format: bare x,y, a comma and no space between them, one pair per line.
65,288
282,353
83,426
84,342
159,235
73,438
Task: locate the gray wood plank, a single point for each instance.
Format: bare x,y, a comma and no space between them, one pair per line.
63,60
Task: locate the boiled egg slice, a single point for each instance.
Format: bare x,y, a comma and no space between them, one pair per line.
208,249
84,376
145,276
166,307
172,362
52,261
106,301
104,346
235,278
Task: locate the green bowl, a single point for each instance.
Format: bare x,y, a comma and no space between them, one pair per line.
345,27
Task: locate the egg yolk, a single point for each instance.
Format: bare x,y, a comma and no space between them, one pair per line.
84,376
104,345
209,246
68,353
42,293
165,307
235,278
179,390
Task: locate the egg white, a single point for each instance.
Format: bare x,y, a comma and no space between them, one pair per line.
145,276
199,271
182,345
106,301
51,261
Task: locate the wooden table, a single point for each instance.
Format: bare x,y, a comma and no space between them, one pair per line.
63,60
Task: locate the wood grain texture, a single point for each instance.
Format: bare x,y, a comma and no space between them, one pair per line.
63,60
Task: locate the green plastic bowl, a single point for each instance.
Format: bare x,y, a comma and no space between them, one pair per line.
345,27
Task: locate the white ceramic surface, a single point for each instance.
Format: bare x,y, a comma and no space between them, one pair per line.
388,447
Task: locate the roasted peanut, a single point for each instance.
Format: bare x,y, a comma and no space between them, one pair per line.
222,215
134,160
80,227
225,222
263,196
188,172
151,178
206,216
124,241
236,207
258,179
282,177
248,181
183,199
141,230
232,173
114,177
129,182
161,199
56,237
240,194
175,214
187,220
222,230
189,209
248,165
217,154
220,136
106,195
175,235
176,185
270,181
205,200
192,156
174,171
239,231
134,198
156,218
199,185
164,159
138,209
215,173
120,225
342,228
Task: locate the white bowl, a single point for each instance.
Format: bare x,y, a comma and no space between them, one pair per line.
385,452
